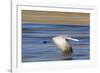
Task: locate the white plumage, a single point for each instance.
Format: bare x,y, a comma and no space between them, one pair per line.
63,44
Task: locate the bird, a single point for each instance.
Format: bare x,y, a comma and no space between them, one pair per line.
63,43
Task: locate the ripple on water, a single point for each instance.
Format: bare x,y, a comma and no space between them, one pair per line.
38,46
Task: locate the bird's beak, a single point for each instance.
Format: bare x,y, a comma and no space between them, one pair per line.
72,39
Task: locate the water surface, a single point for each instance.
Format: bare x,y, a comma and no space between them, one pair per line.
34,49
